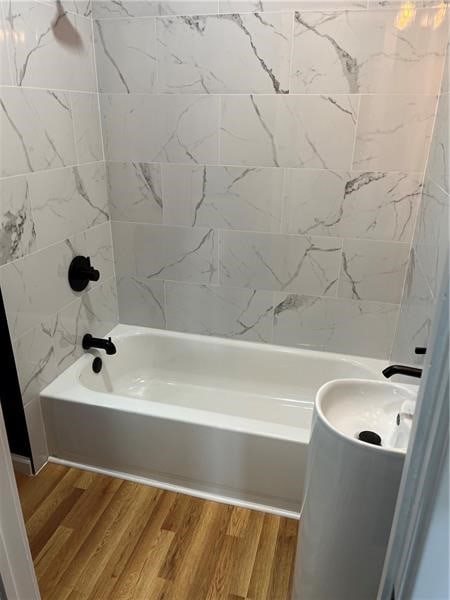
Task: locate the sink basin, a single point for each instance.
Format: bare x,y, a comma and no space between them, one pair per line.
350,406
351,488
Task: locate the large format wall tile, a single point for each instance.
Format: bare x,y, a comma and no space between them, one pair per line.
281,262
370,205
416,314
438,168
141,301
50,49
394,132
67,201
226,312
373,270
191,56
145,128
335,325
5,46
224,197
37,130
17,229
126,55
364,52
291,131
431,241
164,252
135,192
149,8
283,5
86,125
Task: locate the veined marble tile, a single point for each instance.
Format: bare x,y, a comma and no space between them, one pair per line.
96,243
5,46
191,56
168,128
165,252
438,167
17,230
365,52
291,131
431,241
29,297
372,205
35,358
67,201
86,124
99,311
397,3
50,48
135,192
141,301
37,130
242,6
223,197
281,262
79,7
151,8
394,132
225,312
335,325
416,313
373,270
126,55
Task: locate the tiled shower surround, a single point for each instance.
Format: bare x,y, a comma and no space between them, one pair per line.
53,194
265,162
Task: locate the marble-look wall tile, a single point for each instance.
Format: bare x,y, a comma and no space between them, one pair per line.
416,315
226,312
95,242
50,48
86,124
371,205
291,131
5,46
141,301
126,55
431,240
223,197
438,168
397,3
135,192
394,132
78,7
243,6
281,262
373,270
37,130
30,297
364,52
67,201
17,229
140,128
108,9
165,252
335,325
191,56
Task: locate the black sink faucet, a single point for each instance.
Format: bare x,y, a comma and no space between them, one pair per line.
401,370
100,343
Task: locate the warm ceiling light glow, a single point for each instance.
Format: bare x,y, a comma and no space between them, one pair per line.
405,15
439,15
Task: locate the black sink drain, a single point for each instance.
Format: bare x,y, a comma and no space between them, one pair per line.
370,437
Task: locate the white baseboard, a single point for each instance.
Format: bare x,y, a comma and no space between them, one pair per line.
22,464
180,489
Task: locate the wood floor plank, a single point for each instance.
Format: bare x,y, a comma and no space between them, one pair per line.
96,537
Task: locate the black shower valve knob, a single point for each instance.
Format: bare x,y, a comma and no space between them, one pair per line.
81,272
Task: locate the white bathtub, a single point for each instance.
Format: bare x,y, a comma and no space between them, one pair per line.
216,418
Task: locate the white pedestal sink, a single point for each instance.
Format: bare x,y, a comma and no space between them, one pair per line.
351,490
